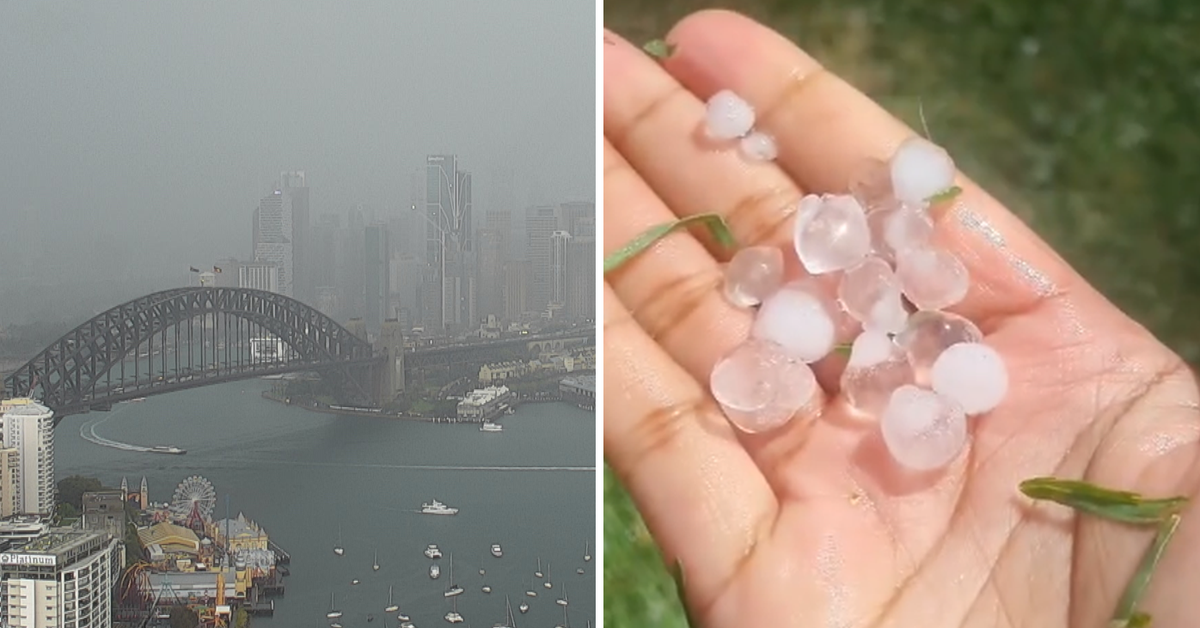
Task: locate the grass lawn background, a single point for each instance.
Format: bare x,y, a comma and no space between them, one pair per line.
1082,119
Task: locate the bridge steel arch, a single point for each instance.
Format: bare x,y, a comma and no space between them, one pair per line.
67,374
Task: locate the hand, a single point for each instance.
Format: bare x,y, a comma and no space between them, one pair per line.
813,525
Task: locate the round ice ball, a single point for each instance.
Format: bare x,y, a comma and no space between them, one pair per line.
920,170
922,429
972,374
800,318
728,116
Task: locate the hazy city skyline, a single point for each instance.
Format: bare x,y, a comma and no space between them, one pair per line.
140,141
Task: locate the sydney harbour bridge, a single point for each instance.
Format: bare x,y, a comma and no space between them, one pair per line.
198,336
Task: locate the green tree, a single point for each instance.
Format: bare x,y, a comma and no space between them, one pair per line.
184,617
71,489
66,512
241,619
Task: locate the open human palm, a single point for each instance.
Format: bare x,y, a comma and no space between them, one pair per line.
814,524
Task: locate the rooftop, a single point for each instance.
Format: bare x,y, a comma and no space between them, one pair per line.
585,382
485,395
240,527
32,408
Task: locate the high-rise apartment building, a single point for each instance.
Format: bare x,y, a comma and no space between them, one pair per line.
29,429
449,250
10,473
516,289
377,268
62,579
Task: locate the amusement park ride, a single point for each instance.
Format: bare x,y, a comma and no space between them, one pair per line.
192,506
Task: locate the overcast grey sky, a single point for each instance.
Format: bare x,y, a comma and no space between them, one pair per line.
136,137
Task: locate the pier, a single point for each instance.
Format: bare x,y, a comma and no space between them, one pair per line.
281,557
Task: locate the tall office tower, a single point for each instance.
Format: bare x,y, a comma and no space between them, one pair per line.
281,234
540,223
406,291
65,578
352,272
559,242
581,278
516,289
29,429
578,218
272,225
377,281
448,246
491,273
294,186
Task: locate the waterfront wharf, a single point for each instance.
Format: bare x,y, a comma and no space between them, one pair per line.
281,557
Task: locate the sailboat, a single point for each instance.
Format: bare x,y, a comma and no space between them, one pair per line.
337,549
530,592
538,573
547,582
587,554
486,587
453,616
509,620
566,620
562,601
391,607
524,608
375,565
333,612
454,589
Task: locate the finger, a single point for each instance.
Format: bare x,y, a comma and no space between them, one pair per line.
702,497
657,125
826,130
674,288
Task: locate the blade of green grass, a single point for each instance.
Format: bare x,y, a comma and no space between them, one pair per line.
714,222
1109,504
659,49
1127,612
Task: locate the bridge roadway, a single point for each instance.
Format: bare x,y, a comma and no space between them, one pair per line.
103,397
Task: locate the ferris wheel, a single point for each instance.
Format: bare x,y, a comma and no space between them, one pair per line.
193,500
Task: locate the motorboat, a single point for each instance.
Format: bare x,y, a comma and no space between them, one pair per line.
354,581
579,571
524,608
486,589
402,617
333,612
167,449
496,551
437,508
392,606
432,551
434,571
488,426
407,624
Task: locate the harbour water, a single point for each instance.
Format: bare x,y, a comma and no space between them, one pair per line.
304,476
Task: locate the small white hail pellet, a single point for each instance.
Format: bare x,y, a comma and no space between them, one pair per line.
972,374
728,116
758,146
920,170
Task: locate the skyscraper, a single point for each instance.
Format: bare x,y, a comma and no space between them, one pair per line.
294,186
281,234
581,278
578,218
540,223
377,266
559,243
449,249
29,429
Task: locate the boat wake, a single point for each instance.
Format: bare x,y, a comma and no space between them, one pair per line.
414,467
87,432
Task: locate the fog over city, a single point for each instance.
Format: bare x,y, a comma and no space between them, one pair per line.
137,139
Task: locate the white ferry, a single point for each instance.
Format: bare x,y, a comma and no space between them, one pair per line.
437,508
432,551
488,426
